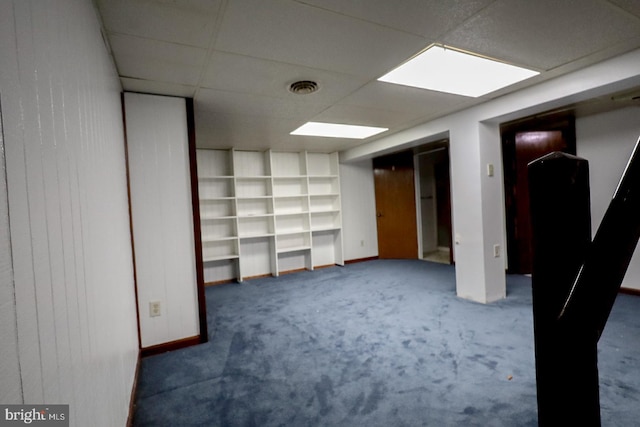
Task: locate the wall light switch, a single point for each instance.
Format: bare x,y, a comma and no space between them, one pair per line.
154,309
496,251
490,169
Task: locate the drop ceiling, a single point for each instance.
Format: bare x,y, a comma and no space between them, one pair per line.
236,58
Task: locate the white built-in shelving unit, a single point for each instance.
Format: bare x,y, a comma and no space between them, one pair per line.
268,212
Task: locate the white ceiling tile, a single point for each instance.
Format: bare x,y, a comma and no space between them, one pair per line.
631,6
427,18
295,33
239,79
408,100
189,22
316,144
544,34
258,133
223,102
366,116
238,130
159,88
252,75
155,60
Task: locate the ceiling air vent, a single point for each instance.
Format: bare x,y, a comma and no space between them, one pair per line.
303,87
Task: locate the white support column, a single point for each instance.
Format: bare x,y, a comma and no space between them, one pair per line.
477,211
493,208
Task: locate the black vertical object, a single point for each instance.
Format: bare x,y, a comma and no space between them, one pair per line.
596,287
566,360
575,282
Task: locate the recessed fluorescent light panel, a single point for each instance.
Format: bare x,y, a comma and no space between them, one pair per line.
452,71
334,130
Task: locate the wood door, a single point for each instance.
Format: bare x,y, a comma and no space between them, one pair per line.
396,206
520,147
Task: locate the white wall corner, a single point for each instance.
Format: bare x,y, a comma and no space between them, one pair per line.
464,151
162,217
358,210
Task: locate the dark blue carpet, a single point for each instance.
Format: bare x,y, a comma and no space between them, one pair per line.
381,343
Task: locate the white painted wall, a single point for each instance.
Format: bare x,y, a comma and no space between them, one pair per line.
478,210
606,141
75,319
359,228
162,216
11,389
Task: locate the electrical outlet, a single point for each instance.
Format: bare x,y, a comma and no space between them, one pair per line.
496,251
154,309
361,242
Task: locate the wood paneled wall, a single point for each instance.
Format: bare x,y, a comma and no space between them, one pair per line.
74,321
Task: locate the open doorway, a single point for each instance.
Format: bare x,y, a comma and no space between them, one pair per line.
433,194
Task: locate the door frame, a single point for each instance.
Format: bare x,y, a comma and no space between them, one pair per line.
563,122
425,150
405,160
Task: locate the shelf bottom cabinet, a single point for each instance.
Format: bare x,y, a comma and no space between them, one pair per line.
294,259
273,255
326,246
256,257
221,270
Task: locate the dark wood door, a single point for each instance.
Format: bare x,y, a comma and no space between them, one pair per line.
396,206
520,147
